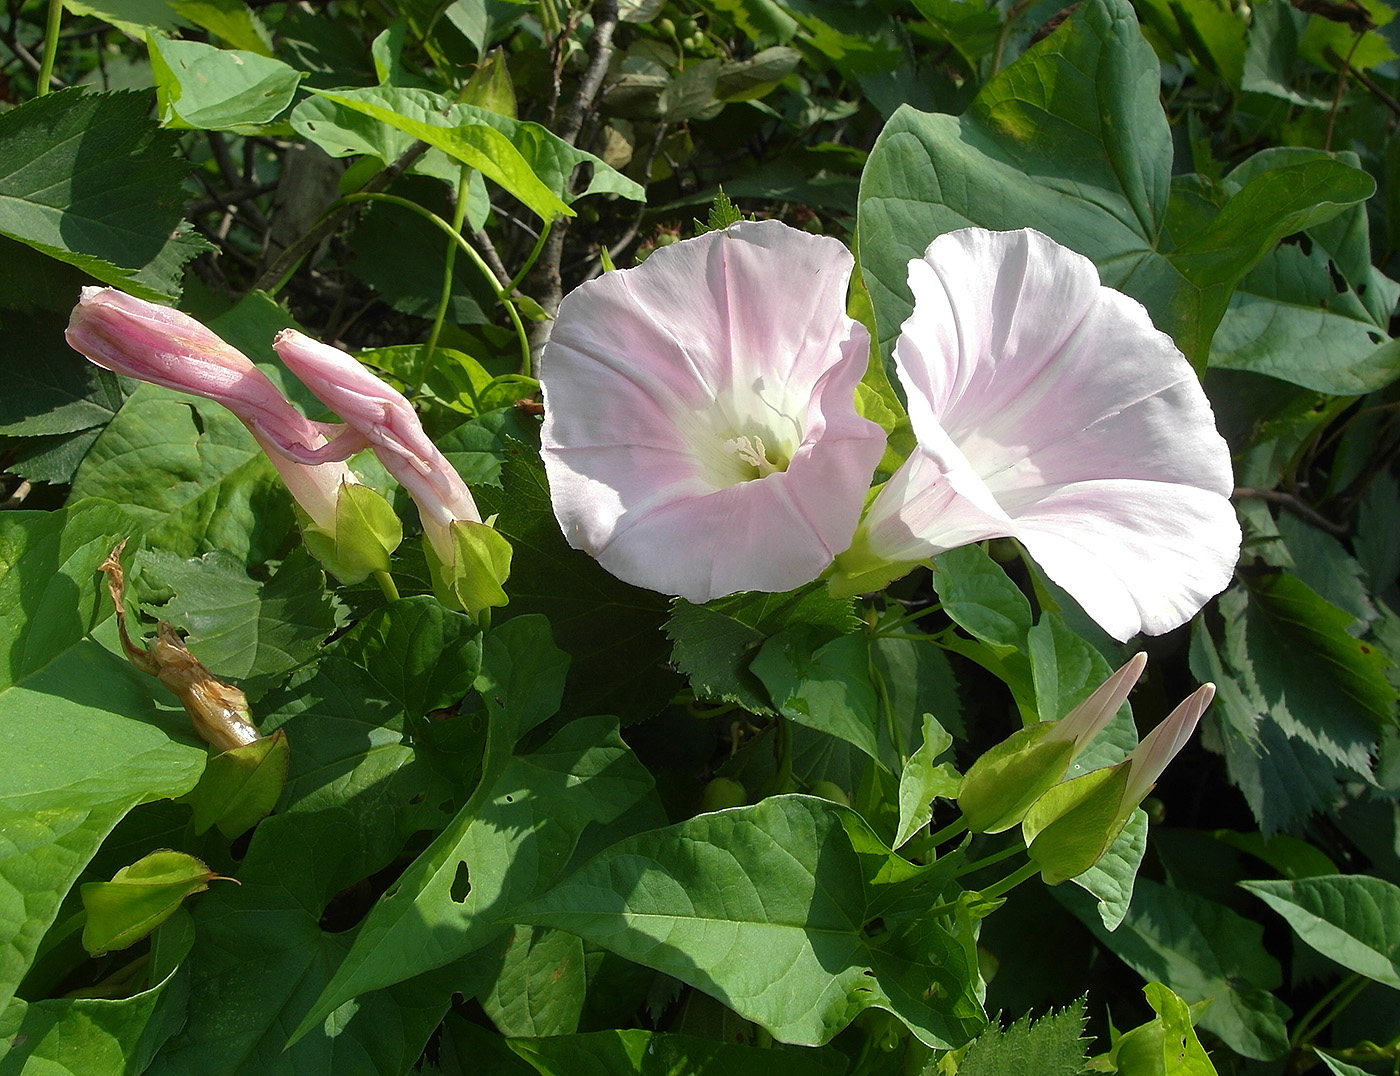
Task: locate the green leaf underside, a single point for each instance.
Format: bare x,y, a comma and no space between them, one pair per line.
1350,918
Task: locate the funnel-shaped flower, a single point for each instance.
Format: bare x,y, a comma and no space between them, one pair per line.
700,432
165,347
1048,409
471,559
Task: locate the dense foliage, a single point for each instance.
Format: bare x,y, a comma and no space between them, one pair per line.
602,829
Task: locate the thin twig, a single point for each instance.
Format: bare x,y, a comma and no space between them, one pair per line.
615,251
219,148
1337,98
221,200
1366,80
287,261
492,256
1291,503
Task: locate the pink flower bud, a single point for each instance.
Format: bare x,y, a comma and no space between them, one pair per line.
1092,716
165,347
1162,744
386,421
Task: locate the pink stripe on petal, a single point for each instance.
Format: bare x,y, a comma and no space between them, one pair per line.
1151,757
168,348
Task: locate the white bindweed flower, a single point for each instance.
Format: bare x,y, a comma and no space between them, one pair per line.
1048,409
700,431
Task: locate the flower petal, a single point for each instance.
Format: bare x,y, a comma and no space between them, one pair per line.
652,376
1047,401
922,510
1138,556
168,348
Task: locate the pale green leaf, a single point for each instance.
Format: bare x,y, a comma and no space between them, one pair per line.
204,88
1353,919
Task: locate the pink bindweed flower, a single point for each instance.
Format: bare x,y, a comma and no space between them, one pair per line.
1048,409
386,422
467,559
700,432
153,343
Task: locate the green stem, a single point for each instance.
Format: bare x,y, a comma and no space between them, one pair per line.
530,261
781,781
425,362
919,845
1011,881
386,584
882,692
50,47
521,335
1339,997
1004,34
996,857
883,630
427,214
952,829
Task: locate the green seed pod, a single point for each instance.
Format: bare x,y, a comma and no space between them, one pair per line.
723,792
830,790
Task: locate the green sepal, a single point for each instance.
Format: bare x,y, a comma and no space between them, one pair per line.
367,531
139,898
859,571
1000,787
481,563
490,86
240,787
1070,827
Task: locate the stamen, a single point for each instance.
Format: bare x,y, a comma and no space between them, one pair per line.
752,451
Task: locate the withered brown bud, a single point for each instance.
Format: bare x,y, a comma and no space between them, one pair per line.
218,711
